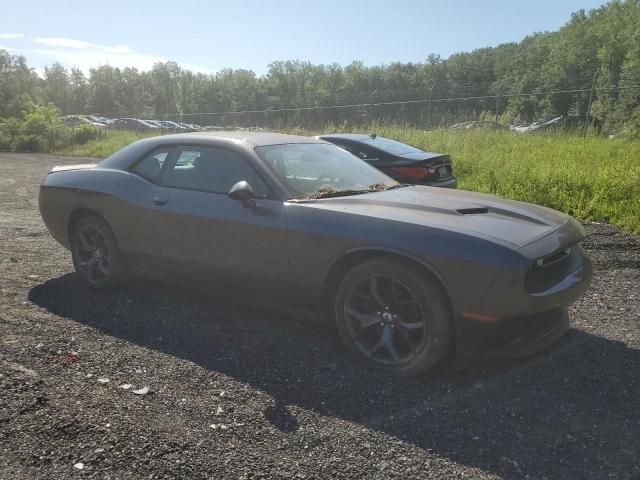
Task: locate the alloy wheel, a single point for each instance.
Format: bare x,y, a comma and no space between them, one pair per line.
385,320
93,258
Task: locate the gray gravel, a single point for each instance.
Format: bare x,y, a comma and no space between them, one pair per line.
243,390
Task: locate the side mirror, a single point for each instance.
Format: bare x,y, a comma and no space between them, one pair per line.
243,192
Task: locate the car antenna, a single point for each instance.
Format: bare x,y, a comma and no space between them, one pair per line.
373,135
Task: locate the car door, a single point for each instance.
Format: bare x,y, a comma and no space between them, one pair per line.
134,222
205,235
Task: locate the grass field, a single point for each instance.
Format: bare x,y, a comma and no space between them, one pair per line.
102,147
591,178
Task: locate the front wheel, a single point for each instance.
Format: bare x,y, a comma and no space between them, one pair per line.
393,317
95,252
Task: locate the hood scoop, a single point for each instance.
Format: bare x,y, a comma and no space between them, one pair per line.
473,210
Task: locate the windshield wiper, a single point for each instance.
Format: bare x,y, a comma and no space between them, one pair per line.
330,192
400,185
378,187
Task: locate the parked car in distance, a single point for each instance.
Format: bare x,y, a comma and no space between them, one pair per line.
133,124
565,122
155,123
170,124
104,121
77,120
400,161
478,125
190,126
407,273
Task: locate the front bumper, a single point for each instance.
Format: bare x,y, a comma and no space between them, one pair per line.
521,316
512,337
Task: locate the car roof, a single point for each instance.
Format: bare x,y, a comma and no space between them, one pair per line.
244,139
257,139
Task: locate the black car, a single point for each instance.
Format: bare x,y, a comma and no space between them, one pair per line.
400,161
406,272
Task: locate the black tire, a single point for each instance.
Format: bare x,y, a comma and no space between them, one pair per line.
96,256
403,297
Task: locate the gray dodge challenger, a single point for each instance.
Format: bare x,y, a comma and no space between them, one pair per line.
406,273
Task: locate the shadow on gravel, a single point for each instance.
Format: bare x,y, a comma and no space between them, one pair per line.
569,412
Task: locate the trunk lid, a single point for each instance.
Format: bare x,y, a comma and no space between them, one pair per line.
424,158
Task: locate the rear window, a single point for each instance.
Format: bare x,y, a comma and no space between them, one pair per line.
391,146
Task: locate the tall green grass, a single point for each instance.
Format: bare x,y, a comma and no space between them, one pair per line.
593,178
104,146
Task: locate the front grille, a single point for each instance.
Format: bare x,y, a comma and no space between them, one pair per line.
551,269
554,258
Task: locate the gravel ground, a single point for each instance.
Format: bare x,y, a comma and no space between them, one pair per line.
252,391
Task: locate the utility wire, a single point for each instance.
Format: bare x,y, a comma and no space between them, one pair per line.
405,102
371,103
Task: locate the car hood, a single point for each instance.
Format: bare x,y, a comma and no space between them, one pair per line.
482,215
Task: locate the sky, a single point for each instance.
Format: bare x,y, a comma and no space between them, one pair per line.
209,35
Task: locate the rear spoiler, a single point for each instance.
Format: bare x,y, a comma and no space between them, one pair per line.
65,168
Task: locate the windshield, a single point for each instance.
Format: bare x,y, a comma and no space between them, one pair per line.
308,168
391,146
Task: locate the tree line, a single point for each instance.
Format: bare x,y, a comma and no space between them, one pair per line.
603,43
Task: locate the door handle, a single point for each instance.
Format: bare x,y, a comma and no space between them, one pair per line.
160,199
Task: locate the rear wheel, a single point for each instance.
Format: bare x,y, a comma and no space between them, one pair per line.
393,317
95,253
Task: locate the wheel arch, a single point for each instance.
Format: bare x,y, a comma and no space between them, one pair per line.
80,213
355,256
115,272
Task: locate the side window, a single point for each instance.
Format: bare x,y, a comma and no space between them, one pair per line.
186,159
151,166
211,169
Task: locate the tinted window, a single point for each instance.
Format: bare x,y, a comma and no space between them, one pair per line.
187,159
211,169
359,152
151,166
391,146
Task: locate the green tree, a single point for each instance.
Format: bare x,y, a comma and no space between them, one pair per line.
103,96
57,88
79,91
19,86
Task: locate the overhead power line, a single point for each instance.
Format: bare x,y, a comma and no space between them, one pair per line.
404,102
371,103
